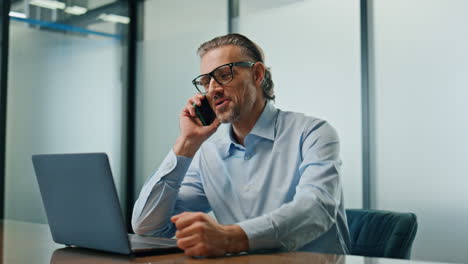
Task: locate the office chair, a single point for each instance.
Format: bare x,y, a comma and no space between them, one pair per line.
376,233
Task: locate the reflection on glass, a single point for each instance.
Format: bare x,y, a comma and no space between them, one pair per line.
100,17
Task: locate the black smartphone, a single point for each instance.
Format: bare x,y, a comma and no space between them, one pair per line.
205,113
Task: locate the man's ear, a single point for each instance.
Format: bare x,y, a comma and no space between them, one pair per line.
259,73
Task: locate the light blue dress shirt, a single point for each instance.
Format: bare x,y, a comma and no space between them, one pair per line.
283,188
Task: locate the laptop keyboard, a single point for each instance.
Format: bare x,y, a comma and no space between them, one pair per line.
137,242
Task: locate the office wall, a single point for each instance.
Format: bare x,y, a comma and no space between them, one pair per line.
313,49
64,95
419,81
167,63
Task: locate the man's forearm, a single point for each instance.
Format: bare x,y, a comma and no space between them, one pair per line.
158,196
237,239
185,147
296,223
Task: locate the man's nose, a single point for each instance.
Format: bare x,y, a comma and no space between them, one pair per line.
214,86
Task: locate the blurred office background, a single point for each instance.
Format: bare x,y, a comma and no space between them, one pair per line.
112,76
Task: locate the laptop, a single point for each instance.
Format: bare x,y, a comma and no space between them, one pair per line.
83,209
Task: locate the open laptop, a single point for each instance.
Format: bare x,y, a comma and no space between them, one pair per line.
82,206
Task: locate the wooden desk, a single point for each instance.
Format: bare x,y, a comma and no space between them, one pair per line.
32,243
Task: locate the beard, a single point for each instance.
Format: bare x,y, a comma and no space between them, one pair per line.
229,114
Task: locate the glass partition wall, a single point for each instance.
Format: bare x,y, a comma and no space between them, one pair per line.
313,49
66,82
167,63
419,61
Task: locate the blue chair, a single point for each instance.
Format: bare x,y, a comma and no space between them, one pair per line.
376,233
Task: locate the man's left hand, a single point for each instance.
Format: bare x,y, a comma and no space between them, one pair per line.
200,235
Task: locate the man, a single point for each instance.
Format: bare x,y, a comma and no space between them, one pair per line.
272,182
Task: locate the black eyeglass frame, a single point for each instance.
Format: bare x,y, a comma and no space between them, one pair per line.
211,74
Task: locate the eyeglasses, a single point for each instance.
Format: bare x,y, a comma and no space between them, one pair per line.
222,75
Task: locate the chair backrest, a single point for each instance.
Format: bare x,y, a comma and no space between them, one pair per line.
376,233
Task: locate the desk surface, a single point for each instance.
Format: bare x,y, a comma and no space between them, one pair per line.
32,243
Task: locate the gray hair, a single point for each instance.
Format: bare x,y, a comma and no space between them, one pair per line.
250,49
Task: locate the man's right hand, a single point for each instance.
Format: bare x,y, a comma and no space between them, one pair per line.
192,132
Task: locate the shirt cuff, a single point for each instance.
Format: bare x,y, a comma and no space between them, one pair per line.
261,233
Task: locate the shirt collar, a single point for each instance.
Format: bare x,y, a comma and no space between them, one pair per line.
264,128
265,125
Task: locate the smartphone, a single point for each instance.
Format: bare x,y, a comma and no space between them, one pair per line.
205,113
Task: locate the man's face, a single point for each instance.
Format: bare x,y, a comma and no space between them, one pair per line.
231,101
